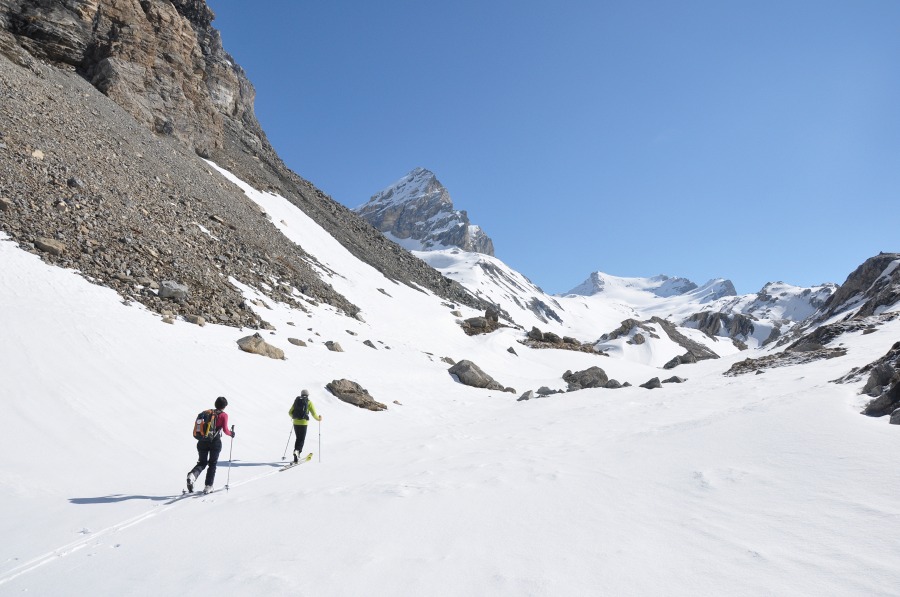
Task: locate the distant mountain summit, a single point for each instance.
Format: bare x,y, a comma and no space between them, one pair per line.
658,286
417,213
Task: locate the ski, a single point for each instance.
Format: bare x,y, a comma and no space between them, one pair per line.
184,494
307,458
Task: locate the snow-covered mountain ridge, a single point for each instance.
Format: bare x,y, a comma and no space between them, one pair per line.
602,302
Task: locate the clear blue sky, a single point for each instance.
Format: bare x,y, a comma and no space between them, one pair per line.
755,141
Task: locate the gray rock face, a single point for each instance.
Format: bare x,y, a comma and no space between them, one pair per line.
353,393
419,208
256,345
470,374
712,323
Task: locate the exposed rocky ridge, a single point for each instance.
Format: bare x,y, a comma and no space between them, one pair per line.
502,278
164,64
699,351
874,284
538,339
419,207
784,358
634,328
859,303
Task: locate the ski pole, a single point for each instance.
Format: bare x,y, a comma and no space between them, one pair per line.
230,449
320,440
291,432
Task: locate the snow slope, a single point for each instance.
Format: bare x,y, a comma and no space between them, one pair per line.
770,485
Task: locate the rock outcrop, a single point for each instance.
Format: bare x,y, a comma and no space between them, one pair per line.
539,339
882,384
872,286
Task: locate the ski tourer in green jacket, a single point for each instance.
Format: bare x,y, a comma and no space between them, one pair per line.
303,407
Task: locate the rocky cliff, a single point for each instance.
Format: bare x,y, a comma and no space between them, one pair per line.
108,106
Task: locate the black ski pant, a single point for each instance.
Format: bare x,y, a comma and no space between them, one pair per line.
300,434
208,455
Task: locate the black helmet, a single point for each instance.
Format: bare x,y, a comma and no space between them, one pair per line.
221,402
304,393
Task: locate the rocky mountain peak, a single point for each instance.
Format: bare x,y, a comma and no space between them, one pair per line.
417,213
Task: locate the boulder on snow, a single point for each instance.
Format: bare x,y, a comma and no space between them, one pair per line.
334,346
592,377
470,374
353,393
895,417
652,384
256,345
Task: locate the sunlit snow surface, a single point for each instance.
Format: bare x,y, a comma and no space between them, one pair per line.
758,485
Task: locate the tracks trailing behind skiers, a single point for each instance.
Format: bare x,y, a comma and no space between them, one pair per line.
94,537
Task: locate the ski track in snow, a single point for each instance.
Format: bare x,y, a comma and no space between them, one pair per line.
94,536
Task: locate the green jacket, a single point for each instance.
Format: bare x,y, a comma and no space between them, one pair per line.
312,411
